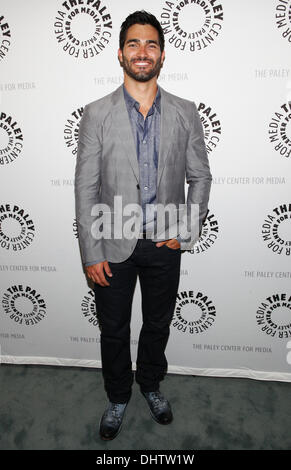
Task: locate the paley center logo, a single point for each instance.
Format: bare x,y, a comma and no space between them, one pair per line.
194,313
209,235
280,130
17,229
24,305
191,25
274,316
88,308
83,28
211,126
276,230
5,37
126,221
71,130
75,228
283,18
11,139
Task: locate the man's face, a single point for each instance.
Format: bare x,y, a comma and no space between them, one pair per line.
141,57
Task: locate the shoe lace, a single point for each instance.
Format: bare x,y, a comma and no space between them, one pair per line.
157,400
115,411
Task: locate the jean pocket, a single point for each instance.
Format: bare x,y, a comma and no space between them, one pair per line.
171,249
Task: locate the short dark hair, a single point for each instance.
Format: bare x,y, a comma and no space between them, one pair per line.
141,17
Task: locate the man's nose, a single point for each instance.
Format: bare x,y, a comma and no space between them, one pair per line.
142,50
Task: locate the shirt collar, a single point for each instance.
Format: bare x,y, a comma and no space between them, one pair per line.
131,102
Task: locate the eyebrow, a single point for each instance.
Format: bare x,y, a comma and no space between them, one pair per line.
148,41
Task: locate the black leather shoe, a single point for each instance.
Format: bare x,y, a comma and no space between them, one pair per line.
111,421
160,408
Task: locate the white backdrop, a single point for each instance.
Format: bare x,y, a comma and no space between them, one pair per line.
232,57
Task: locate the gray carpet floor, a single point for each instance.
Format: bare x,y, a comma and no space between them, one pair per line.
51,407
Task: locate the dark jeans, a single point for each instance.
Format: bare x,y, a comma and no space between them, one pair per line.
159,273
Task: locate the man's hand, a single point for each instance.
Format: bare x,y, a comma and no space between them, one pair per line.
95,272
171,243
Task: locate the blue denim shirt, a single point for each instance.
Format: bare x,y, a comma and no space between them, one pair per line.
146,133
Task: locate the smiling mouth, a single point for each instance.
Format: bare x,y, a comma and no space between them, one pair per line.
141,64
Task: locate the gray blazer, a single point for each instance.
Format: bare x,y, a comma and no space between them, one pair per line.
107,166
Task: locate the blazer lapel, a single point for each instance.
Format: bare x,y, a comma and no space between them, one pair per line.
123,127
168,120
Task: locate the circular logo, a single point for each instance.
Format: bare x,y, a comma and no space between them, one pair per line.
191,26
276,230
83,28
280,130
75,229
17,230
283,18
88,308
194,313
5,37
24,305
274,316
72,129
208,235
211,126
11,139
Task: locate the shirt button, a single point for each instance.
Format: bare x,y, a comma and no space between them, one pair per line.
144,141
145,164
146,188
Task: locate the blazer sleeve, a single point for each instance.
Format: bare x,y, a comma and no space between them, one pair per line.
87,187
199,178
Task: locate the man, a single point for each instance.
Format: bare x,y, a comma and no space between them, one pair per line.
138,143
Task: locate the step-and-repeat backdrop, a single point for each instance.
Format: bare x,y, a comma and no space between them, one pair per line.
232,57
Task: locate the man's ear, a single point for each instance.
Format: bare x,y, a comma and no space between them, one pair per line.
163,57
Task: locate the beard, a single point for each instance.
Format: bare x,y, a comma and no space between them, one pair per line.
142,75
